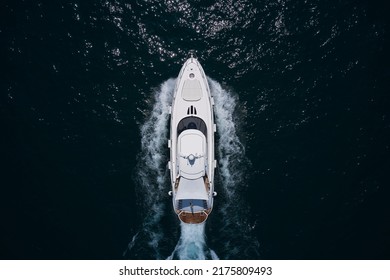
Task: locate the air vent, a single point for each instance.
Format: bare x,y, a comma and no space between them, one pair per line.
191,110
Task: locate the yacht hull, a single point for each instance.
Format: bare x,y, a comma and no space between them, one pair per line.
192,161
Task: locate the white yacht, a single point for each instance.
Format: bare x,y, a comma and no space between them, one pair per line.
191,144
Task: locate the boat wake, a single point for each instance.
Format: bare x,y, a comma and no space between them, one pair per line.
151,175
192,244
227,225
232,226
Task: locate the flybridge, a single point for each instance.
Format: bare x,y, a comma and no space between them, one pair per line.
192,152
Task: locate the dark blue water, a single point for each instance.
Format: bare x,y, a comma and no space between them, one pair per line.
303,128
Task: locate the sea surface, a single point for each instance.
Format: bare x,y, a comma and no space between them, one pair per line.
302,108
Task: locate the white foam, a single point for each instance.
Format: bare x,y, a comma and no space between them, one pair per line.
191,245
213,255
132,243
230,149
151,169
233,228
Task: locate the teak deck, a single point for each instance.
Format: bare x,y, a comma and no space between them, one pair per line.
193,218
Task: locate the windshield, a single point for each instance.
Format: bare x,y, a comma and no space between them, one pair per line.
192,205
192,123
